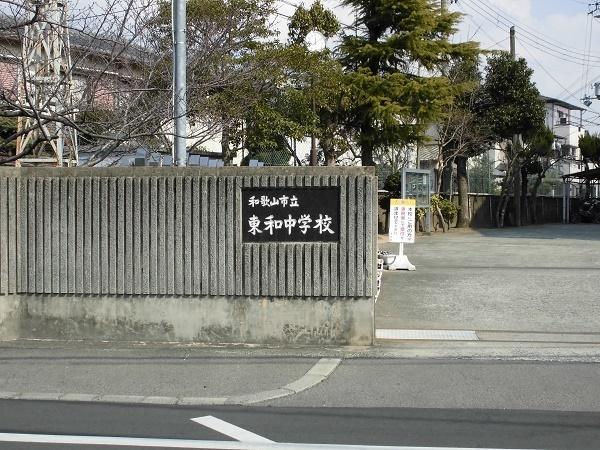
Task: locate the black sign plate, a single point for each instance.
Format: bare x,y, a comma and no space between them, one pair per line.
282,214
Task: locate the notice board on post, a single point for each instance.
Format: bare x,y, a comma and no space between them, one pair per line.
402,220
290,214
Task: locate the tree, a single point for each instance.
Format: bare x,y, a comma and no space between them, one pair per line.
461,132
538,158
8,127
510,104
316,18
305,95
233,60
590,148
397,42
110,69
328,88
300,99
590,151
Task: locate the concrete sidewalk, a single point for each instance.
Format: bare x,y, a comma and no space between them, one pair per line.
523,282
193,374
160,375
175,374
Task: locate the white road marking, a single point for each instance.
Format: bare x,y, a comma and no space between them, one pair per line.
443,335
229,429
189,444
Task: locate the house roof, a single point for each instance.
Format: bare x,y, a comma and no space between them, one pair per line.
92,42
592,174
555,101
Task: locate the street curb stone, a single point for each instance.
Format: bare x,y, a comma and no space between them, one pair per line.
8,395
39,396
317,373
199,401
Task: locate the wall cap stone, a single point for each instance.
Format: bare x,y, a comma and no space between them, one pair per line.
61,172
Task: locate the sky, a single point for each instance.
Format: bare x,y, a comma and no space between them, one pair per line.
558,38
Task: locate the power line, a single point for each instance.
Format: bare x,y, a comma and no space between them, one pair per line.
525,42
549,47
533,32
541,66
479,28
478,8
542,47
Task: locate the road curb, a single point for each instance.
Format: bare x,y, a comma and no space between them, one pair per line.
317,374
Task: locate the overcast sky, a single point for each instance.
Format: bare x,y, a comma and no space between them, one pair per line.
553,35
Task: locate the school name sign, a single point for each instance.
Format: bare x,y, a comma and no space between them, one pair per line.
282,214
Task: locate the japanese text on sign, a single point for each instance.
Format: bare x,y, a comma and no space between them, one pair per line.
290,214
402,220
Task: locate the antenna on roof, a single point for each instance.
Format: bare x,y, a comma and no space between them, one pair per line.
45,87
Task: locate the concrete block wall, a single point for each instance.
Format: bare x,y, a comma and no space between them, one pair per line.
123,235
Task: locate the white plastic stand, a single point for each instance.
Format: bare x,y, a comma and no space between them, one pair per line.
401,261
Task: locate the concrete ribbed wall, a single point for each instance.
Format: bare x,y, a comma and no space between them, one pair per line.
175,232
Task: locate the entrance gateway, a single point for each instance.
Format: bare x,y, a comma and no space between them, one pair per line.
219,255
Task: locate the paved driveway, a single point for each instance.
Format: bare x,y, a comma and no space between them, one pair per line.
533,279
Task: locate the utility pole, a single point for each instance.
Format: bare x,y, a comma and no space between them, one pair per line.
516,167
314,161
179,82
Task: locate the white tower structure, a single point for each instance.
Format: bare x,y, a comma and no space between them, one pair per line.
45,87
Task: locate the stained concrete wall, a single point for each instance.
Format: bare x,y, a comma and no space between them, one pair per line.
127,249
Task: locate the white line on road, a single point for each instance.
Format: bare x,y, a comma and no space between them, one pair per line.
190,444
229,429
442,335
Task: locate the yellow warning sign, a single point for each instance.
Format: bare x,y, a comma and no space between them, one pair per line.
402,220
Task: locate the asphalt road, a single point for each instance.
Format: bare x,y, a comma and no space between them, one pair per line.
464,384
470,428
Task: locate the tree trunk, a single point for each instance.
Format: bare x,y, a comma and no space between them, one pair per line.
447,177
440,217
463,192
517,192
326,143
366,146
524,189
534,191
502,210
504,195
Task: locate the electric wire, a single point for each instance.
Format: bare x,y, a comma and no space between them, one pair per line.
524,28
589,120
543,48
541,66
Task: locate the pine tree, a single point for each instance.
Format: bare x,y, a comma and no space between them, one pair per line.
399,47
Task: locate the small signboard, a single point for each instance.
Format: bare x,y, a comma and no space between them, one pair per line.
402,220
282,214
416,184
